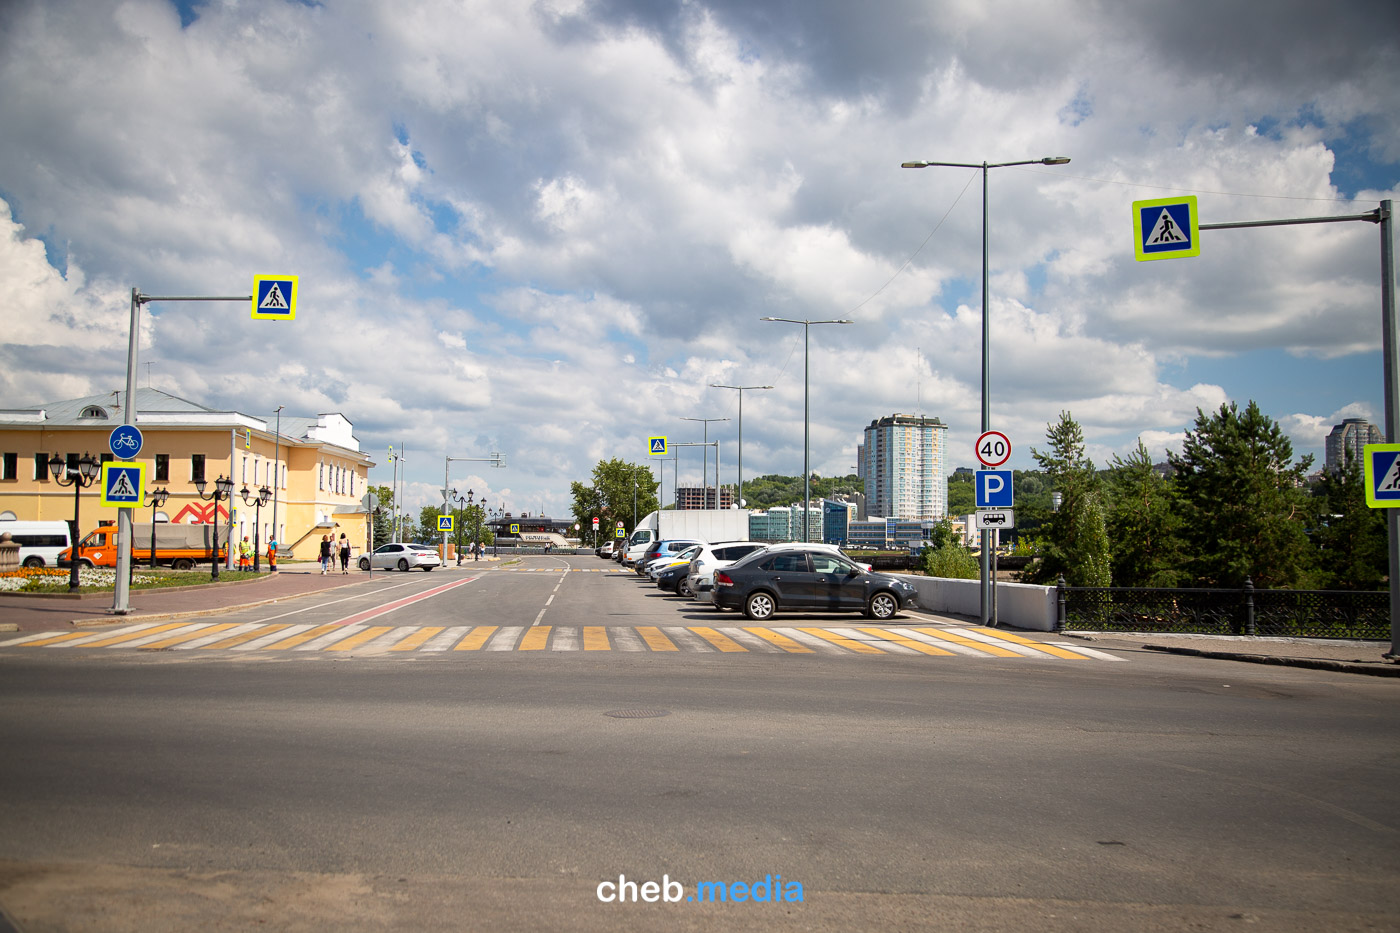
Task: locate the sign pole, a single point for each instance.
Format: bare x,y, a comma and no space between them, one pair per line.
121,589
1390,343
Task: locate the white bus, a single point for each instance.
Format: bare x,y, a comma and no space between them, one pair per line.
39,542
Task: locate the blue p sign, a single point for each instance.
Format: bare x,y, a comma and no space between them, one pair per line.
994,489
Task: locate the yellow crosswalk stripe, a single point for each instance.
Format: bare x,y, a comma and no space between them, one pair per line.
850,644
57,639
246,637
129,636
654,639
782,641
1018,640
476,638
722,642
417,638
358,639
536,639
907,642
197,632
302,638
595,638
946,635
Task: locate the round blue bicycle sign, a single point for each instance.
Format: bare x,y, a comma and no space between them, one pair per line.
125,442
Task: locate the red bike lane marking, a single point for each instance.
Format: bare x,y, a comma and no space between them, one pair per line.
387,608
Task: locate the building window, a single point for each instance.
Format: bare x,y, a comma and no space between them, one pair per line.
162,470
9,467
197,468
70,464
94,411
105,458
320,476
41,468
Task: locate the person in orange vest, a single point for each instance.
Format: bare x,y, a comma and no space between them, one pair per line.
245,555
272,556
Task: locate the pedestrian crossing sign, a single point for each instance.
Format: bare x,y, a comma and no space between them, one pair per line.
1382,475
275,297
122,484
1166,228
656,445
444,523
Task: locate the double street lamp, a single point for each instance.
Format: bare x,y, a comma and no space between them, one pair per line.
705,468
158,497
223,489
739,497
986,395
264,494
806,415
80,476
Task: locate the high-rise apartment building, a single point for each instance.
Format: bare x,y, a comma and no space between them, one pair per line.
902,463
1347,440
703,497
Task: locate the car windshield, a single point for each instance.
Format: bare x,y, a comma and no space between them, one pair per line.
689,553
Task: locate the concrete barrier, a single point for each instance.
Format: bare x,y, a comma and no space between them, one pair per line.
1018,604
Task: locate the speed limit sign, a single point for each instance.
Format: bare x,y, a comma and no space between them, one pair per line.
993,448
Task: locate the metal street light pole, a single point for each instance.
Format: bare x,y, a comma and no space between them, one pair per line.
986,395
158,497
258,502
80,477
705,468
223,489
806,414
276,478
739,496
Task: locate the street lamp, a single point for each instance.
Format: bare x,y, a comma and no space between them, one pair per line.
457,525
80,476
986,395
806,417
264,494
739,498
223,489
158,497
705,469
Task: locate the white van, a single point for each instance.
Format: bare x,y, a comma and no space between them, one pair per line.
39,542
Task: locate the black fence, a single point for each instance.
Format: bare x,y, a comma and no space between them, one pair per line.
1243,611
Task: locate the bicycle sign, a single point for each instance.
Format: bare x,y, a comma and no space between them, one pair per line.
125,441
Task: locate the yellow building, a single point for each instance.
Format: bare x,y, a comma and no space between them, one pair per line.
313,465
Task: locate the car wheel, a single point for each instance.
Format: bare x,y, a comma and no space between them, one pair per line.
882,606
760,606
183,563
364,563
34,561
403,564
683,589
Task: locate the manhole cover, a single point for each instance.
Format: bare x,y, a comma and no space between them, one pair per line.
637,713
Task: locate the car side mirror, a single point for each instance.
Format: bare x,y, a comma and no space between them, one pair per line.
853,572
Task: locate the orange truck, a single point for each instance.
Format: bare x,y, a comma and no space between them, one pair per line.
177,546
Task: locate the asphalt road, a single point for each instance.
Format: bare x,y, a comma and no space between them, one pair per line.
221,789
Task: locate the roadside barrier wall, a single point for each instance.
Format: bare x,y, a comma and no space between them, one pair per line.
1021,605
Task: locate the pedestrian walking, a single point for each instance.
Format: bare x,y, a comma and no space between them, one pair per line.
344,553
325,554
272,556
245,555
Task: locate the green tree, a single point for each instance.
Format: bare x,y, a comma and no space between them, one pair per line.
1144,527
609,495
1351,536
946,557
1074,540
1244,506
962,493
384,518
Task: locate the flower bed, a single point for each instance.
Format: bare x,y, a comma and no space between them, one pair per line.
55,580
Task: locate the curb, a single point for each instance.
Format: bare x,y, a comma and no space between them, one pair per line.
1340,667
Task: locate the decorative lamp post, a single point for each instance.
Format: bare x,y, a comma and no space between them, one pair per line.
158,497
986,591
223,489
80,477
264,494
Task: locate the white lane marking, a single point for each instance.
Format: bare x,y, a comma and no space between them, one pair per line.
272,637
217,636
891,646
505,639
687,640
566,638
1023,650
811,641
330,638
98,636
1080,649
333,602
161,636
538,617
550,601
627,639
952,646
446,639
750,640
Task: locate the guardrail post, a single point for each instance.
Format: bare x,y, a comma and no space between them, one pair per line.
1249,628
1060,593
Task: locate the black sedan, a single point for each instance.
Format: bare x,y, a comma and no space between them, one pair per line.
672,577
808,579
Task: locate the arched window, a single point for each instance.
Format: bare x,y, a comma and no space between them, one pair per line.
94,411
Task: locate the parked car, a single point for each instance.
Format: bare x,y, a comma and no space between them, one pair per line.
700,577
662,549
605,550
665,562
811,578
401,557
672,578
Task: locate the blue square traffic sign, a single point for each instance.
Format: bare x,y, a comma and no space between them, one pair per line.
993,489
1165,228
1382,463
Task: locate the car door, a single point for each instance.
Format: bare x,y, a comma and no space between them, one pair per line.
838,583
790,575
387,557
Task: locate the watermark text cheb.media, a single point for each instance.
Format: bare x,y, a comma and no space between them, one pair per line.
772,889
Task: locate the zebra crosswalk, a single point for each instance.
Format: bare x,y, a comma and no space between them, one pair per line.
927,641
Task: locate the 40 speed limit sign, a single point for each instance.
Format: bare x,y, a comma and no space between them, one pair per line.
993,448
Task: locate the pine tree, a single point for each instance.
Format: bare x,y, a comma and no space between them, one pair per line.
1074,540
1144,527
1351,536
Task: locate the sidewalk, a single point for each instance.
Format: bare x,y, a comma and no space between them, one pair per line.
1349,657
58,614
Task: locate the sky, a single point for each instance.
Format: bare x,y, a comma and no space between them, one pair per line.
546,228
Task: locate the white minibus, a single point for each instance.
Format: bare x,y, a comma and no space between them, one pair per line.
39,542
